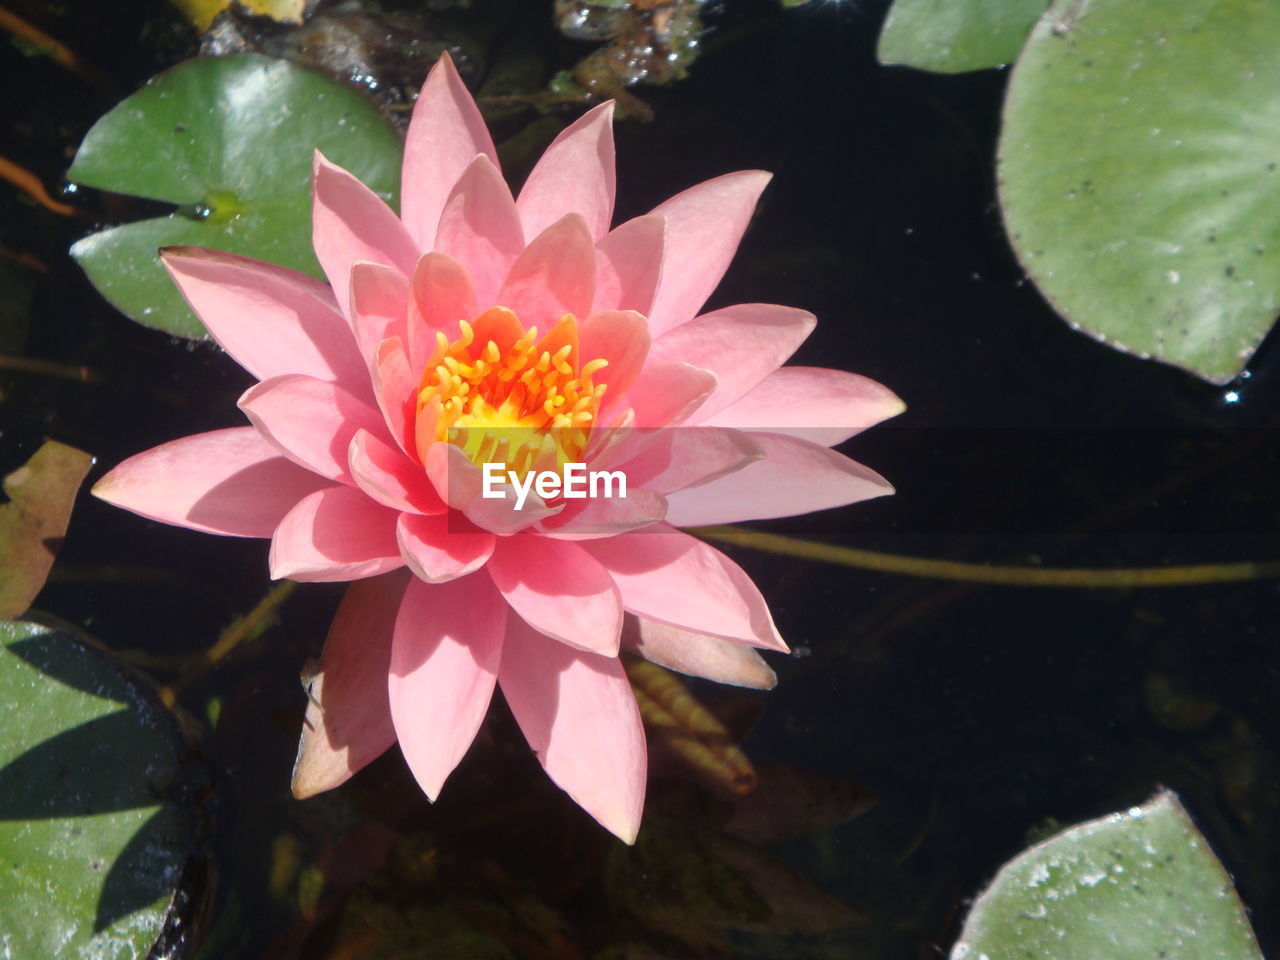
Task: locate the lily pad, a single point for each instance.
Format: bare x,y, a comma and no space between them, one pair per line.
1139,174
230,141
1138,884
92,838
956,36
41,493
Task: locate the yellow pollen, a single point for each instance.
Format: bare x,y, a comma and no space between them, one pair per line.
530,407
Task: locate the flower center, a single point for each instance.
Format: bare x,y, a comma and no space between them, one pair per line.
529,405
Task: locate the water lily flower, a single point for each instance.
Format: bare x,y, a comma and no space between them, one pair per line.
477,327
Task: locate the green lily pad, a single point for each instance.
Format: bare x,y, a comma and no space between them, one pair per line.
1131,886
955,36
230,141
92,838
1139,180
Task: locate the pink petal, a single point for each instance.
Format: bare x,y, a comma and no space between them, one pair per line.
229,482
481,229
697,654
444,661
812,403
704,227
795,477
443,297
674,578
741,345
560,590
622,338
459,483
685,457
555,275
664,394
436,552
580,718
335,534
386,475
349,222
271,320
446,132
607,516
629,265
395,386
348,720
574,175
379,306
310,421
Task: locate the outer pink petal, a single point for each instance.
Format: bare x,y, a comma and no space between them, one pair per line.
442,297
271,320
395,386
229,482
795,477
674,578
704,226
622,338
444,661
379,306
560,590
335,534
310,421
446,132
574,175
665,393
812,403
480,227
349,222
580,717
386,475
348,720
629,265
685,457
697,654
435,552
741,345
555,275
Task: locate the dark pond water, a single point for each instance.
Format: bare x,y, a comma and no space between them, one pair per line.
976,714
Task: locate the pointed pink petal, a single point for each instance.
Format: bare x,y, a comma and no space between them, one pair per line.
697,654
348,720
629,265
674,578
664,394
349,222
459,483
622,338
443,297
555,275
704,227
574,175
436,552
481,229
389,477
580,718
379,306
271,320
310,421
686,457
446,132
444,661
560,590
795,477
741,345
395,386
229,482
335,534
607,516
812,403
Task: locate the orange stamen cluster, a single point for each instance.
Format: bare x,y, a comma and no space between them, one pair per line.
529,406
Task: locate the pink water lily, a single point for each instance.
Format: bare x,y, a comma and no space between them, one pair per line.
478,328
